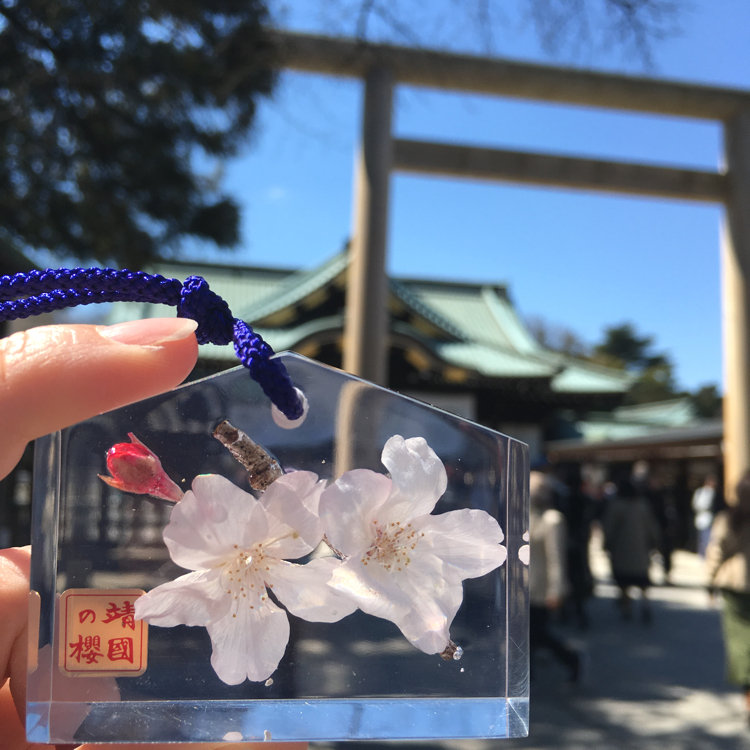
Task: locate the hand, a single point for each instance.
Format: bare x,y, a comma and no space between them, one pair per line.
52,377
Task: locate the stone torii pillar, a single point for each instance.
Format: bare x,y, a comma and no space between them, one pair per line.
736,300
366,321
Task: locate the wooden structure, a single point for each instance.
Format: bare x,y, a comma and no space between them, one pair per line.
382,67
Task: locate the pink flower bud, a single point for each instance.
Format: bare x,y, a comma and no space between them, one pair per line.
135,468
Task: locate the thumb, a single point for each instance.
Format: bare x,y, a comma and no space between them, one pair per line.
54,376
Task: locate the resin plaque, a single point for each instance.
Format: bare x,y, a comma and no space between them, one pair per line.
205,570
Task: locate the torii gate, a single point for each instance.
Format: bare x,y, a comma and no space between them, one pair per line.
381,67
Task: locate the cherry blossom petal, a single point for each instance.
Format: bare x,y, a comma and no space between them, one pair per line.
304,484
248,643
304,590
468,541
291,503
209,519
419,600
192,599
434,605
418,475
350,505
372,590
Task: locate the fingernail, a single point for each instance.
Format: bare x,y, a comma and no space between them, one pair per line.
150,332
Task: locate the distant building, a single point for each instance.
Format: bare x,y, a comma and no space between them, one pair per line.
662,430
460,346
678,449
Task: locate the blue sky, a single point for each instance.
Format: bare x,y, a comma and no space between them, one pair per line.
576,259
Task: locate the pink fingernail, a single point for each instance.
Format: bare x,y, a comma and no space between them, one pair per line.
150,332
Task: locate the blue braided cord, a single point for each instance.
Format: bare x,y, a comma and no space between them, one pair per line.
269,373
90,282
25,294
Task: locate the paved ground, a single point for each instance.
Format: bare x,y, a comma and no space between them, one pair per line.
647,687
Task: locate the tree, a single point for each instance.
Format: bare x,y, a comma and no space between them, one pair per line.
558,337
623,347
105,107
654,383
707,402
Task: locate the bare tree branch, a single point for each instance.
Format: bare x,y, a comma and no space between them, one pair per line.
576,25
563,27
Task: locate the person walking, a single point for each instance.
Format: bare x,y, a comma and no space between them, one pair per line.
578,511
704,503
663,510
728,569
631,533
548,581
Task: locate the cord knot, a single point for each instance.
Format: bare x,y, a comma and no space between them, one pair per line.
56,289
215,320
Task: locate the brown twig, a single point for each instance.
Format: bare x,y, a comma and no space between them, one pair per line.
262,468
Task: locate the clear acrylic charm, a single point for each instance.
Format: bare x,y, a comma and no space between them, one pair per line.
204,570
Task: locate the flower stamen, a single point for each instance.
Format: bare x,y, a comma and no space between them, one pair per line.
391,545
237,576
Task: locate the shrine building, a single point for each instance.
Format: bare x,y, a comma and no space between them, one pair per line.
457,345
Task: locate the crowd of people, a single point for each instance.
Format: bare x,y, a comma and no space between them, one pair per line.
563,511
635,529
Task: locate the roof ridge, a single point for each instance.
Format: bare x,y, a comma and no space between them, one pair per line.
410,298
501,287
295,286
179,262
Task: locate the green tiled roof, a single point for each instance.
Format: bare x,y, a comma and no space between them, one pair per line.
483,332
671,413
495,342
412,298
577,376
293,289
240,286
479,312
637,420
507,319
494,362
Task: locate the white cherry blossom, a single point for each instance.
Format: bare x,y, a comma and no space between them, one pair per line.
237,548
401,562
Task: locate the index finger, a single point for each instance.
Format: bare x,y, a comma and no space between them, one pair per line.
54,376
